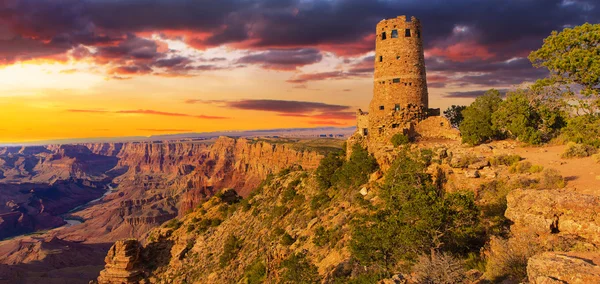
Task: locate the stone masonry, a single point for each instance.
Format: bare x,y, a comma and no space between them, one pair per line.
400,98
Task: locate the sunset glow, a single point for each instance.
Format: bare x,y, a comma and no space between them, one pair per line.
113,68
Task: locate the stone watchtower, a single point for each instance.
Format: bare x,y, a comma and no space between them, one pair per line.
400,101
400,85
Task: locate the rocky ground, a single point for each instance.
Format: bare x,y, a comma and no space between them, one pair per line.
559,215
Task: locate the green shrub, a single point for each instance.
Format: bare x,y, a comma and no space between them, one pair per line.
231,248
578,151
297,268
505,160
493,204
596,158
400,139
355,171
536,169
463,161
245,203
327,167
551,178
173,224
278,211
584,129
202,225
454,115
255,273
287,240
517,118
426,156
278,231
416,218
520,168
324,237
477,128
319,200
288,194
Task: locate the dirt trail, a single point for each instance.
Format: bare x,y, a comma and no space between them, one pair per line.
582,175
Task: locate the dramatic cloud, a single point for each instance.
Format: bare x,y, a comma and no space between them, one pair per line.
314,110
283,59
146,112
282,34
284,106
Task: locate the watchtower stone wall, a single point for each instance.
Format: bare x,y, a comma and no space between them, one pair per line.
400,85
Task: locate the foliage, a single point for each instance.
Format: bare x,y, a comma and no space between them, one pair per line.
578,151
520,168
173,224
287,240
290,191
441,268
584,129
529,116
400,139
298,269
255,273
231,248
324,237
571,56
536,169
492,197
596,158
319,200
507,259
417,218
517,118
551,178
477,127
356,170
201,225
327,167
505,160
454,114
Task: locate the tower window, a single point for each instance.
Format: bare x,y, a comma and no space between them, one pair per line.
410,84
380,58
383,36
397,57
407,33
381,108
365,132
394,33
397,107
396,80
395,125
418,34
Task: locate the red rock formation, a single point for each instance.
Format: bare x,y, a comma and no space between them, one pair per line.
122,263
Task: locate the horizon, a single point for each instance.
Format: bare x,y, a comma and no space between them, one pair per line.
115,69
182,135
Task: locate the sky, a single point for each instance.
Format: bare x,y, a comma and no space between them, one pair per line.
109,68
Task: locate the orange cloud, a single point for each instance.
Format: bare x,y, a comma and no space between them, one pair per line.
461,52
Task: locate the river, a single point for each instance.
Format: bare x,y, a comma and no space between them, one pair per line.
71,221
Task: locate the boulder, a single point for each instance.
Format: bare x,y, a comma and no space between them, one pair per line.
122,263
555,212
472,174
559,268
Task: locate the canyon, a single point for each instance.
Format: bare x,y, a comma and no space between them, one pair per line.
147,183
